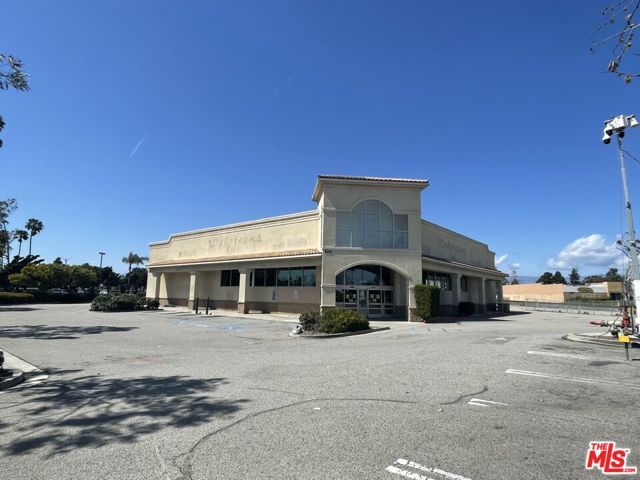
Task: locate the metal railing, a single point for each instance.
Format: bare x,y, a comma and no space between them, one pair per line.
593,307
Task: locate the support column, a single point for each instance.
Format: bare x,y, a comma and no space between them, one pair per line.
157,277
411,302
327,296
242,291
501,306
483,295
193,288
455,292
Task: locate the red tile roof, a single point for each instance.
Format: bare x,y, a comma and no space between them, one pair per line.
372,179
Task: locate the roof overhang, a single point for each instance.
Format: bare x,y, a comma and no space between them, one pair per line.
230,259
465,266
368,181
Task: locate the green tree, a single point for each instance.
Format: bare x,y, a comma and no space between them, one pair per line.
21,236
15,266
7,207
546,278
34,226
81,276
594,279
613,276
559,279
130,260
12,75
42,276
108,278
515,282
137,280
574,277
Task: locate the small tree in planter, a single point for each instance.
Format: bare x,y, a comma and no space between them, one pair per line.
427,301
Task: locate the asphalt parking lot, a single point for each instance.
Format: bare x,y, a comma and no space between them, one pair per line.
175,396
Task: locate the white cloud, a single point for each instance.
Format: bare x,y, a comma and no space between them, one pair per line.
501,259
591,250
514,266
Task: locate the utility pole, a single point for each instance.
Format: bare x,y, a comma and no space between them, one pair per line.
618,125
102,254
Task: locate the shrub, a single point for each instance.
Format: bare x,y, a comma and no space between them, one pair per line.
102,303
427,301
152,304
125,302
466,308
339,320
13,298
310,321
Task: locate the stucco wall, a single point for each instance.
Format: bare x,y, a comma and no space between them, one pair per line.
345,197
443,243
534,291
280,234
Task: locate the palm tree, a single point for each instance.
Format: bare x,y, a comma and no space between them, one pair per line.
34,226
21,236
132,259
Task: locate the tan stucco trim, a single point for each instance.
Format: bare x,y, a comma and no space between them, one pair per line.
249,225
237,259
466,266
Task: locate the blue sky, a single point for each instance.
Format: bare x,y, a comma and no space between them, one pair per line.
152,117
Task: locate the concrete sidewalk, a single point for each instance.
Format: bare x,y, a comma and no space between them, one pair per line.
600,339
21,369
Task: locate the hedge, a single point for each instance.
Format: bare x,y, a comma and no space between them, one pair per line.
126,302
427,301
14,298
310,321
339,320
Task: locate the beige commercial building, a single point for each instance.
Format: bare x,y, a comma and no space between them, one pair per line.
364,247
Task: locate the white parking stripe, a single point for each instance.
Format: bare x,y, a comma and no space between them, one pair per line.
437,471
560,355
488,401
569,379
407,473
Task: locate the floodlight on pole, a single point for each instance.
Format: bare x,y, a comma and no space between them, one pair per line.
102,254
617,126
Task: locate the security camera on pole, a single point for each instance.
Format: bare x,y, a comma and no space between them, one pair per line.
617,126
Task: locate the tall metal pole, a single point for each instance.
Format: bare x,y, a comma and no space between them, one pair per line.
102,254
633,249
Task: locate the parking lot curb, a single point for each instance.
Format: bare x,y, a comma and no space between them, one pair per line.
23,371
598,340
345,334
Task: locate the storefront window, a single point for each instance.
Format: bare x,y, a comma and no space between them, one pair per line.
437,279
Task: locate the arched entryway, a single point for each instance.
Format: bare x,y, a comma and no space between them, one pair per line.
375,291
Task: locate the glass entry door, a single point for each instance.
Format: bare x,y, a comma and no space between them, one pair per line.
370,302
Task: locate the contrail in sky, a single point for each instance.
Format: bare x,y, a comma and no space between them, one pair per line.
133,152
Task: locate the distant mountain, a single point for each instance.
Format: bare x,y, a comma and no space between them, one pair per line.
523,279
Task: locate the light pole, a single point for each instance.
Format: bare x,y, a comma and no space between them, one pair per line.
102,254
618,125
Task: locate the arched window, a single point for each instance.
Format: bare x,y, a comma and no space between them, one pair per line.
372,224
